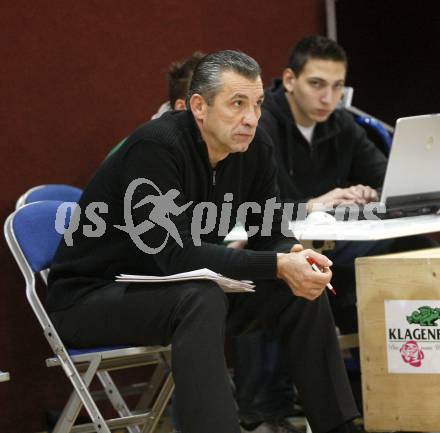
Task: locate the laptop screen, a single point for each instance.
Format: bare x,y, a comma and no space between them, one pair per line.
412,177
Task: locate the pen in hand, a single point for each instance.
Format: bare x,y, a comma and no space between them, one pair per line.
314,266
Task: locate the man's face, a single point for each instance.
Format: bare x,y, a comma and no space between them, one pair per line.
229,122
314,94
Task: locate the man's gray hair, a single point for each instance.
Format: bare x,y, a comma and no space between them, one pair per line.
206,79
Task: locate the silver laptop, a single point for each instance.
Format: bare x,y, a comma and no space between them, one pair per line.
412,179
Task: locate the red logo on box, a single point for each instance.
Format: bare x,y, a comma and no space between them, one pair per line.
411,353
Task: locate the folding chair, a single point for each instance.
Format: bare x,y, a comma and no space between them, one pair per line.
33,239
68,193
54,191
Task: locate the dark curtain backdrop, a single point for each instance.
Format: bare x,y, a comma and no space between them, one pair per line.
76,77
393,49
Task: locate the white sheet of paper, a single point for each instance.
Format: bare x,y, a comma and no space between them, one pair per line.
227,284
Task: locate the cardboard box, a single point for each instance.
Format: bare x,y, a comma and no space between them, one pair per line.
399,341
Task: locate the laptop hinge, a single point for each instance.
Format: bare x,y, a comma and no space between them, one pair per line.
416,204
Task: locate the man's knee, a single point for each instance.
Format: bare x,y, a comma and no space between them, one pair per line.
204,298
305,314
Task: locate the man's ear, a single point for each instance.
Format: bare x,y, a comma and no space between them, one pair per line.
198,106
180,104
289,79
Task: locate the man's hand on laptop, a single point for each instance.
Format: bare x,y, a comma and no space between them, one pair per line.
296,272
364,192
359,194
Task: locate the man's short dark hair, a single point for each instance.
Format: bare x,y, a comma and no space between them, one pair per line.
206,79
179,77
315,47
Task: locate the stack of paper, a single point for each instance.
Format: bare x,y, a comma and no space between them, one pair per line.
227,284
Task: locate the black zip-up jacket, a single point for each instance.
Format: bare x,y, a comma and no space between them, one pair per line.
170,153
340,154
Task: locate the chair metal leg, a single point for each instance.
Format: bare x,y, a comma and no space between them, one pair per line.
80,395
116,398
152,387
77,398
159,405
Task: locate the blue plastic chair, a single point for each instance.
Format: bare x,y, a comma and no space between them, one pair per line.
381,137
33,238
55,191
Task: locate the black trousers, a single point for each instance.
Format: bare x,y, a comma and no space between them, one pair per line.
194,318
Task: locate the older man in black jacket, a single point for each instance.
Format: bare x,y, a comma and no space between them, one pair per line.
201,166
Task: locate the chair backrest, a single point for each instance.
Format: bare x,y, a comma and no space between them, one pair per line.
33,234
50,192
376,132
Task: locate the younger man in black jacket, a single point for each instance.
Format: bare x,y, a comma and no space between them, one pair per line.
323,158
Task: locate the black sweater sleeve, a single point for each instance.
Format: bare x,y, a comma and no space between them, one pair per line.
176,249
